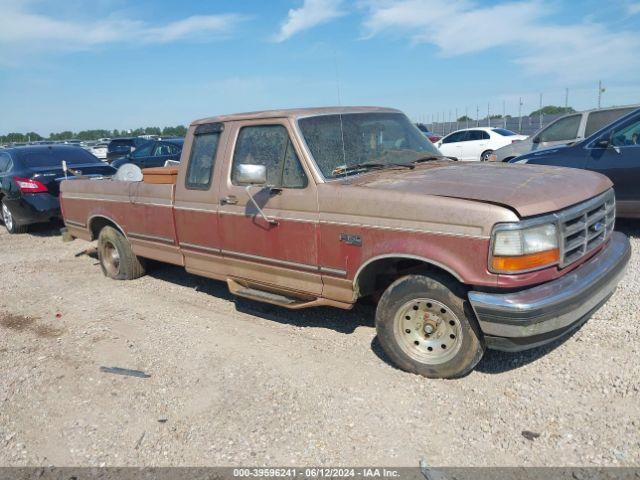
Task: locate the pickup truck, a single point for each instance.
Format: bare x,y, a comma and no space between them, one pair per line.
309,207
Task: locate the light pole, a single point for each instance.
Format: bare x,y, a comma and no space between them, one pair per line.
520,116
541,110
504,114
601,90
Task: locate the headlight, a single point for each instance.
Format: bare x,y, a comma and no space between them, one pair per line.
524,160
517,250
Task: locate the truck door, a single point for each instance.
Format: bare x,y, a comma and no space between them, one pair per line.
282,254
196,201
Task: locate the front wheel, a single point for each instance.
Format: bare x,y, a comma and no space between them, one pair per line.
425,326
117,259
9,222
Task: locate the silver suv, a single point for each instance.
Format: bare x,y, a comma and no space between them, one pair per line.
564,130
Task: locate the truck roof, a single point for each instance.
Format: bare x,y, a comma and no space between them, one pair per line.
292,112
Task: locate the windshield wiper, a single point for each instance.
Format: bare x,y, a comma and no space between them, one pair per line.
428,158
368,166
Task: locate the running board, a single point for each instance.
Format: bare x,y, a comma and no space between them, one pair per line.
283,299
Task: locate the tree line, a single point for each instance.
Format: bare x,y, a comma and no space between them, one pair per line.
546,110
178,131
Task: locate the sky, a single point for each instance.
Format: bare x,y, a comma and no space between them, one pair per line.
86,64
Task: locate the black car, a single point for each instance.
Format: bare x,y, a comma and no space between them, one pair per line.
153,153
613,151
30,181
121,147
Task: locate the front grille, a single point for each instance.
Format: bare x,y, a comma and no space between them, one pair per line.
586,226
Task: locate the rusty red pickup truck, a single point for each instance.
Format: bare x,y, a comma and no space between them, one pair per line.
308,207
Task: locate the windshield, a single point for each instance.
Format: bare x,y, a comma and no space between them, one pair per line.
343,140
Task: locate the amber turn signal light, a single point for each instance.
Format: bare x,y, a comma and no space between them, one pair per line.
525,262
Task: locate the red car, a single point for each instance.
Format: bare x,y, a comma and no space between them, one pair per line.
433,137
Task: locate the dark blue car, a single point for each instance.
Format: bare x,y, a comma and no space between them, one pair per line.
153,153
30,181
613,151
121,147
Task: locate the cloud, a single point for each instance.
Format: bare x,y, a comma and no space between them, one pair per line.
23,31
566,52
312,13
633,8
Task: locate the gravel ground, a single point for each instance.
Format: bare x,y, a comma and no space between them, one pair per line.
238,383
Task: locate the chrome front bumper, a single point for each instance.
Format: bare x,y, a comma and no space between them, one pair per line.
538,315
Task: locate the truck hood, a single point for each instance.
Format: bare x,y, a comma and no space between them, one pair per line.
527,189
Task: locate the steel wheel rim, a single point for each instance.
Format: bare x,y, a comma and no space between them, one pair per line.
428,331
7,218
110,258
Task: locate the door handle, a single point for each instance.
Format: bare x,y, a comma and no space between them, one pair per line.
229,200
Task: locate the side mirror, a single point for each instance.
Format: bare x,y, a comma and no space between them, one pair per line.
535,139
252,174
603,143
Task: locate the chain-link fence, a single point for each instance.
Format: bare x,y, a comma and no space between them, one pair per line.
526,125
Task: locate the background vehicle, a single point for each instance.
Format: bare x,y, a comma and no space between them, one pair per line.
460,268
433,137
565,130
30,180
99,150
473,144
613,151
153,153
121,147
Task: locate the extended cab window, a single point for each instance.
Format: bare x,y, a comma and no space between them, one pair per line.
269,145
565,129
203,156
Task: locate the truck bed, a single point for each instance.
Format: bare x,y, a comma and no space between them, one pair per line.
143,211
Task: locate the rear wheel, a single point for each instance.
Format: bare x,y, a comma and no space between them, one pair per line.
485,156
117,259
9,222
425,326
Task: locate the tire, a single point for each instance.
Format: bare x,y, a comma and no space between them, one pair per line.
417,304
117,259
10,223
485,155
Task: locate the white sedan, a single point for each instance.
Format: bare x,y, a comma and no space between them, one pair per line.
473,144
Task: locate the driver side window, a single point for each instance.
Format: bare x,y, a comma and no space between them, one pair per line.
627,136
269,145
